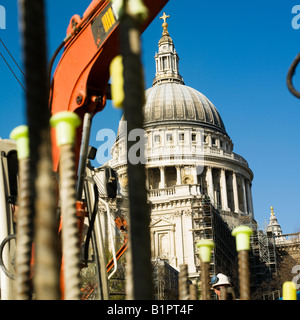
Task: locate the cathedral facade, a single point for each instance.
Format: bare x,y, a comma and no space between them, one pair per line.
189,155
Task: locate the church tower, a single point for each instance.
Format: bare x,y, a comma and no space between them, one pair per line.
166,59
274,226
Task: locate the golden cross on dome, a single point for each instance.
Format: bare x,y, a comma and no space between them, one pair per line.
165,25
164,17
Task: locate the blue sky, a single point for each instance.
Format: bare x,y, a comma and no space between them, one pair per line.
235,53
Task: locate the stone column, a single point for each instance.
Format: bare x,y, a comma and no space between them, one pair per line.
210,184
195,178
162,184
147,179
209,140
244,196
224,190
235,193
178,173
249,197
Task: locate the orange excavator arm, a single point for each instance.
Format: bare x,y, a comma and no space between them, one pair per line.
80,81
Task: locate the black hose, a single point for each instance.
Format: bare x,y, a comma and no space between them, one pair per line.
55,54
92,217
2,266
87,123
290,75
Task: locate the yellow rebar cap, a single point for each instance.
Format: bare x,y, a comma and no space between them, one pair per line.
136,8
242,234
65,124
289,291
205,246
21,136
117,84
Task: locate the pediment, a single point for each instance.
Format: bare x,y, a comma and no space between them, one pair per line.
162,223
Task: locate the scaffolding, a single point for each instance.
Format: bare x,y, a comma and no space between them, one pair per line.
165,280
208,224
263,254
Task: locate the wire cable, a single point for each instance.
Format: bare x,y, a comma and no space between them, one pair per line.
2,266
12,57
12,72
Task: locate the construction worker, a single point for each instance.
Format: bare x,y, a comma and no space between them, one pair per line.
219,281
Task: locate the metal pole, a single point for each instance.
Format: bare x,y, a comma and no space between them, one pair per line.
139,250
46,279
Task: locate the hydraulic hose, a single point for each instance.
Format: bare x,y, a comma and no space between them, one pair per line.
290,75
92,215
2,265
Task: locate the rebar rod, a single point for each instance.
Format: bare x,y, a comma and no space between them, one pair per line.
70,238
205,276
139,249
46,279
244,276
223,293
183,283
24,233
193,292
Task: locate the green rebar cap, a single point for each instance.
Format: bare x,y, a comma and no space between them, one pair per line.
205,246
21,136
242,234
65,124
289,291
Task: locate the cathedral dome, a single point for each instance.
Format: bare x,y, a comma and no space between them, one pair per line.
172,102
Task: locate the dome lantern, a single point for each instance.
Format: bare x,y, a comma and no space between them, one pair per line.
167,60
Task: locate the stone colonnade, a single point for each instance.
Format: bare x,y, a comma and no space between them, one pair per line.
227,189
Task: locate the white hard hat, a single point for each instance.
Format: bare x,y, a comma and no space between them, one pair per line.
220,280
